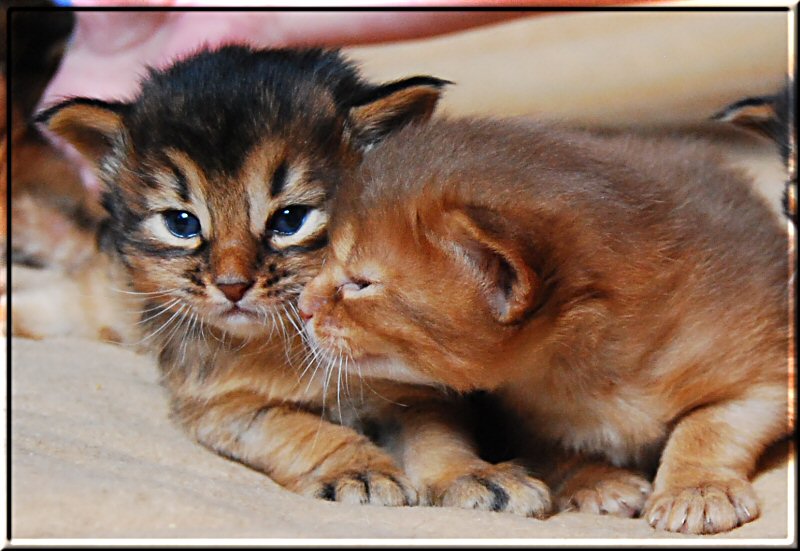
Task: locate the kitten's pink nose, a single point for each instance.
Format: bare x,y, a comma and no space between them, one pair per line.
305,316
309,303
234,291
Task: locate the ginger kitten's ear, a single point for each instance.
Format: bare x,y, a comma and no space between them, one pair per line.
91,126
389,107
509,285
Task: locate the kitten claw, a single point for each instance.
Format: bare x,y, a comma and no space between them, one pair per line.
706,509
504,487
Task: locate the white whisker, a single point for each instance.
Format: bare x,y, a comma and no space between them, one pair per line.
188,337
245,342
305,362
141,293
145,311
164,308
177,326
272,326
325,385
284,335
360,381
381,396
339,388
289,315
201,328
293,312
211,332
166,323
318,360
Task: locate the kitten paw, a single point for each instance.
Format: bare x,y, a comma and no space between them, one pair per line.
706,509
503,487
605,491
372,487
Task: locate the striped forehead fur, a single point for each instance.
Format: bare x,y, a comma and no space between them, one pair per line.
246,95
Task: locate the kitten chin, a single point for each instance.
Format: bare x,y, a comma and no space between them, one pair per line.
241,324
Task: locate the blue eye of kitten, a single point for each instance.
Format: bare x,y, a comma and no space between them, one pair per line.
181,223
288,220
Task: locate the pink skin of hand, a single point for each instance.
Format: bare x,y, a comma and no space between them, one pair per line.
110,50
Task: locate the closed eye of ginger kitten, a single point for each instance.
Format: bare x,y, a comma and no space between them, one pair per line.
217,179
627,299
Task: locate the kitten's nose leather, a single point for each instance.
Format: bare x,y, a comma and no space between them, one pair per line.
234,291
305,316
309,303
306,307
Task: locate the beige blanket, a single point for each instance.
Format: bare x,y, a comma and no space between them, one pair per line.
95,456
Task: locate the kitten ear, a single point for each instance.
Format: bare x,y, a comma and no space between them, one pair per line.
90,125
509,284
389,107
761,114
770,116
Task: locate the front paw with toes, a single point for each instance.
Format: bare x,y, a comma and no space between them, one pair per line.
613,492
374,487
504,487
707,508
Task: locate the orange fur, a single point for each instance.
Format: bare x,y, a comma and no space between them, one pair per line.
625,297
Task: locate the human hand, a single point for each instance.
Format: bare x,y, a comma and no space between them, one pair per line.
111,50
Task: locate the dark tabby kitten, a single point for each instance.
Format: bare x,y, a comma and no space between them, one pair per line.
217,178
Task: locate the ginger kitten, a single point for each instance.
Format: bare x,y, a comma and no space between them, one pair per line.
217,178
625,298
